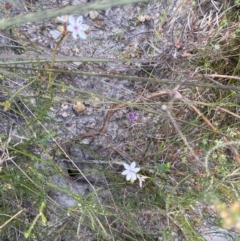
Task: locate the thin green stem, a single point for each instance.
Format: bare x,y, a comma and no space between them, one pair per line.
50,83
53,61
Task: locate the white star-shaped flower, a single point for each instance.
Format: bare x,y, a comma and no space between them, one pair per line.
76,27
131,171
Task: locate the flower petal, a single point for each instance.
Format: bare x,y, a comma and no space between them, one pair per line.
74,34
63,19
136,169
70,28
132,165
55,34
84,27
71,20
79,20
126,166
134,177
130,175
82,35
141,179
125,172
132,116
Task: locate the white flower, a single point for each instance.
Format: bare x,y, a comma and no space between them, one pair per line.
63,19
131,171
76,27
141,179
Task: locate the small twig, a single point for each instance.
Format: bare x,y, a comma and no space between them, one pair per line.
227,111
233,174
222,76
110,112
183,137
10,219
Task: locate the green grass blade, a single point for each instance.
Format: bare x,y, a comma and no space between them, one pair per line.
80,9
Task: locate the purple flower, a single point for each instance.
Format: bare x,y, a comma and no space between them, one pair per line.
132,116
